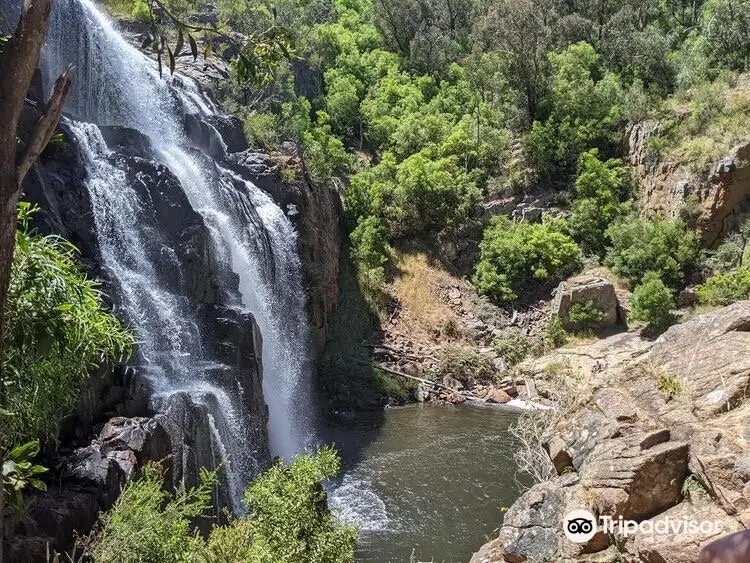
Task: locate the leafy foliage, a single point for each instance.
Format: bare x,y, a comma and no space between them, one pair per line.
585,111
513,346
723,288
20,472
56,331
584,316
464,364
652,302
148,523
288,520
667,248
600,189
519,258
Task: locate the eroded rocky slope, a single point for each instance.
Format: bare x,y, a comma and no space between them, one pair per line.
647,430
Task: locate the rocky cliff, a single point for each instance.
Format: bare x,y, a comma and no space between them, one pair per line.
644,430
717,198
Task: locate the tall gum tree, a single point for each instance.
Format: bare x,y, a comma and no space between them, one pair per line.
17,65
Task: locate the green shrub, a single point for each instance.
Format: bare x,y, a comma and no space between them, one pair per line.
513,346
556,335
600,187
148,523
669,384
288,520
585,111
652,303
721,289
518,258
56,331
584,316
728,255
465,364
665,247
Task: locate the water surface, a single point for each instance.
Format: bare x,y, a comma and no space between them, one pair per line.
427,480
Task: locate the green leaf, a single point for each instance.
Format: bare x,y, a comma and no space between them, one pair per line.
38,484
171,60
180,42
193,47
28,450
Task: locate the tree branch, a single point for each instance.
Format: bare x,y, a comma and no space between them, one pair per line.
45,127
17,67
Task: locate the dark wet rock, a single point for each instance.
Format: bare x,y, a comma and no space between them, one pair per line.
89,481
205,136
231,130
126,141
145,437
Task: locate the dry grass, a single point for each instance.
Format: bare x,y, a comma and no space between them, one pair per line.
580,339
607,273
572,389
416,286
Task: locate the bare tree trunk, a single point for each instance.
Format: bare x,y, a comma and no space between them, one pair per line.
17,68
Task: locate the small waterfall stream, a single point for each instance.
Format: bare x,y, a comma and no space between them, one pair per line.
116,85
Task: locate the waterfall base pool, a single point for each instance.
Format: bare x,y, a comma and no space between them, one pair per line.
425,481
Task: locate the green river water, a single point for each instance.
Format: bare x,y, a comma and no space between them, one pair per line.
425,480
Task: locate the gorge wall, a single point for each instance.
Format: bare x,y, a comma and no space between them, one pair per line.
716,199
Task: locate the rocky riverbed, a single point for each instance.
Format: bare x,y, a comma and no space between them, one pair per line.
646,430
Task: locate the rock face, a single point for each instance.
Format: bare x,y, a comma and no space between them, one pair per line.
722,190
180,242
581,289
90,480
634,447
316,210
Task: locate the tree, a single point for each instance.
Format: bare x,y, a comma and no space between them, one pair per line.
652,303
519,258
19,61
519,30
585,112
639,246
599,188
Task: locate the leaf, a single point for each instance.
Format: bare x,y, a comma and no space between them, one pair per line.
193,47
9,467
28,450
180,42
37,469
171,60
38,484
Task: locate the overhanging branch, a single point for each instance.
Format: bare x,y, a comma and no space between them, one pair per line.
45,126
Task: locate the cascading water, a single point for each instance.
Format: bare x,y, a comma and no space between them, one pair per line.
116,85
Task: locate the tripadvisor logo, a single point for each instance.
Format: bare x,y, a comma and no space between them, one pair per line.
580,526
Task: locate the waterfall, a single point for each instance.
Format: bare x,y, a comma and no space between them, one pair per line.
116,85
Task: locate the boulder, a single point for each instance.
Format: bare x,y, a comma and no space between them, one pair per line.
531,526
498,396
708,355
683,547
636,476
581,289
491,552
134,441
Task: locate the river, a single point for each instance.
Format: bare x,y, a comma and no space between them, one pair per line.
425,481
